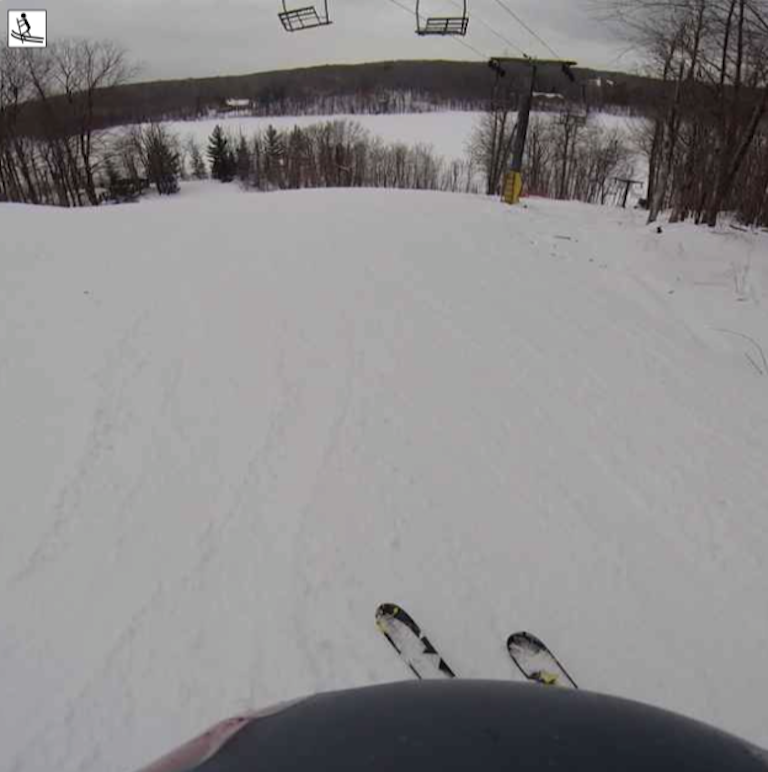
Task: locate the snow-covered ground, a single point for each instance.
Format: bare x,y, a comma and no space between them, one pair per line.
447,132
233,423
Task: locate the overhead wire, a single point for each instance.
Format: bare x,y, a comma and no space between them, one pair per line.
616,58
400,5
509,42
470,47
461,42
498,34
526,27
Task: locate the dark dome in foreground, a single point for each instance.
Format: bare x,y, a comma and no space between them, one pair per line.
490,726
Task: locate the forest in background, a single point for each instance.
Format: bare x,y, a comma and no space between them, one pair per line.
706,137
379,87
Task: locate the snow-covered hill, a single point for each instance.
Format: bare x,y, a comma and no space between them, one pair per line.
446,131
233,423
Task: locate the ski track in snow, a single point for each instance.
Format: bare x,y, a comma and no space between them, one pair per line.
123,365
233,449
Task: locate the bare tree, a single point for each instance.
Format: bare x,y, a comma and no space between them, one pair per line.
490,144
58,90
81,68
18,178
569,156
714,56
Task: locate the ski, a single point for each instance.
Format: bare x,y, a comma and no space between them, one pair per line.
536,662
26,38
407,639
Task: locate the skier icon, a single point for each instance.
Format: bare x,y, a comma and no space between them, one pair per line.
22,22
24,32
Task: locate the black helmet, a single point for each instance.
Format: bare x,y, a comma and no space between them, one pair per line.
461,725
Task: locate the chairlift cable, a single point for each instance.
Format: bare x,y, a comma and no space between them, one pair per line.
475,17
525,26
613,62
472,48
400,5
409,11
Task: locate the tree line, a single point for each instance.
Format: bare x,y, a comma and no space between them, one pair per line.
54,159
568,154
707,141
567,157
378,87
334,153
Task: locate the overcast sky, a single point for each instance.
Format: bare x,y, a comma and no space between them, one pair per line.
197,38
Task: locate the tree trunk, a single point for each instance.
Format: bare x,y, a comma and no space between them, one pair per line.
725,183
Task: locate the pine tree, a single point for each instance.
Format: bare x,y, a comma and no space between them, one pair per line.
296,158
244,162
162,160
258,156
223,163
274,157
199,172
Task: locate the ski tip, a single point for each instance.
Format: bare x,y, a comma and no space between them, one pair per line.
525,640
392,611
386,609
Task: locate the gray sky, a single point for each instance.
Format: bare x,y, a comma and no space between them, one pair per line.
194,38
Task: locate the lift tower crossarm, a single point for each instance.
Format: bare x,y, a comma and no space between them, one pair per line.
533,60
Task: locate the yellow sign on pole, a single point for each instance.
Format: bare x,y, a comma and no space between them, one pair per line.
513,187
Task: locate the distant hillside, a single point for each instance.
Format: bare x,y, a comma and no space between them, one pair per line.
373,88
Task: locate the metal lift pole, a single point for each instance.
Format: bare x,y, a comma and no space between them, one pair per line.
513,183
513,180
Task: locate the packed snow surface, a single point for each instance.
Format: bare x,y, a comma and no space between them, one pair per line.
446,131
233,423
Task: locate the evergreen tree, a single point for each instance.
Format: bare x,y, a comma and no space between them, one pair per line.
163,163
258,157
244,162
295,158
274,157
199,172
223,162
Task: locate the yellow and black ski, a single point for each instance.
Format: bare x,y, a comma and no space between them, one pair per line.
407,639
536,662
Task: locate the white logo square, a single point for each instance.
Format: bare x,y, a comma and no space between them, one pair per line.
27,29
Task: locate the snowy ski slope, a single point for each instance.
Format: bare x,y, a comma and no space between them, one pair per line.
232,424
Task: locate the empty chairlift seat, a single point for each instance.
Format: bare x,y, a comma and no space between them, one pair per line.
294,19
440,25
